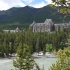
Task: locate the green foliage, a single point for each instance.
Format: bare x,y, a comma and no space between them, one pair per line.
64,11
12,26
27,15
53,6
62,45
49,47
63,62
37,45
23,59
9,42
65,6
60,2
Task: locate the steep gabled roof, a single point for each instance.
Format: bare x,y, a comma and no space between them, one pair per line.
48,22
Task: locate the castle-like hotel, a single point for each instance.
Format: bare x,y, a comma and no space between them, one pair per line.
47,26
12,31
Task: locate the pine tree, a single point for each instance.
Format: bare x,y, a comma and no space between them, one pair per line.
23,59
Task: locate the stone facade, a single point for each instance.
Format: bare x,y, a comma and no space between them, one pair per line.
47,26
12,31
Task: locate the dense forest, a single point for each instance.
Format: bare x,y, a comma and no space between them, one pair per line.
9,42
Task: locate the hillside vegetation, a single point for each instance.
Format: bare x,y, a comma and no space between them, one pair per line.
26,15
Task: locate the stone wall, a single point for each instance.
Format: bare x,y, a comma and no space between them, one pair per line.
47,26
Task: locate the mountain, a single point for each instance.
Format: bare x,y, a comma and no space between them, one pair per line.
26,15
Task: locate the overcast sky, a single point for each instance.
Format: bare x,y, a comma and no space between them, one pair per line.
6,4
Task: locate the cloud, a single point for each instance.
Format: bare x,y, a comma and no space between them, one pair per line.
6,4
48,1
39,5
28,1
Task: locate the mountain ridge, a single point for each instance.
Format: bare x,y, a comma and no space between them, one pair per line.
26,15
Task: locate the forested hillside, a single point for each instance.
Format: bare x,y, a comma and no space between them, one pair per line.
38,41
26,15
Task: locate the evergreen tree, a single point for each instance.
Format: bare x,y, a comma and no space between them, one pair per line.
63,62
23,59
37,45
49,47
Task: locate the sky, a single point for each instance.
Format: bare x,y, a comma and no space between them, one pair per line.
6,4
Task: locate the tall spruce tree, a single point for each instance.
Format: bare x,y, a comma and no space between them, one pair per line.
23,59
